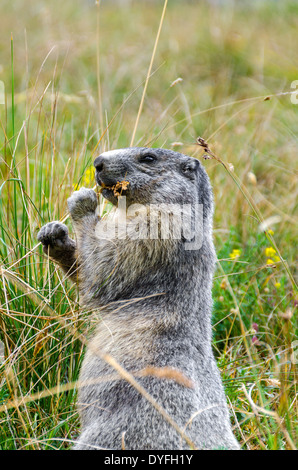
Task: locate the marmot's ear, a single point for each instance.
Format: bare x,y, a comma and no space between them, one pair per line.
190,167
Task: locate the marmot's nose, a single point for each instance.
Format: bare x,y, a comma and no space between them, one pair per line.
99,163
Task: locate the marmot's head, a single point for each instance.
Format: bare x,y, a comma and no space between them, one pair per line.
153,176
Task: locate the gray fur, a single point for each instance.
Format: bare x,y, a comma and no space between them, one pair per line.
57,244
118,278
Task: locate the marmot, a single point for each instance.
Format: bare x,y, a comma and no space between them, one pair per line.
153,295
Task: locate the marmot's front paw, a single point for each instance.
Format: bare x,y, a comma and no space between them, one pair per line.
82,202
53,235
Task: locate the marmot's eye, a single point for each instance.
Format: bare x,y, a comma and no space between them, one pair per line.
147,158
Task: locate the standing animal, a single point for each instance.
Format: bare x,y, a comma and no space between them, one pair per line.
153,298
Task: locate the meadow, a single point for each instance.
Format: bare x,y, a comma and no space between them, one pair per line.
82,78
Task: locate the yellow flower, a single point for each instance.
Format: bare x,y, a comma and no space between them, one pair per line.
270,232
276,258
269,251
277,285
235,254
270,261
88,177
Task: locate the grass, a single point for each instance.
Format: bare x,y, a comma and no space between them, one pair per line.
71,69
